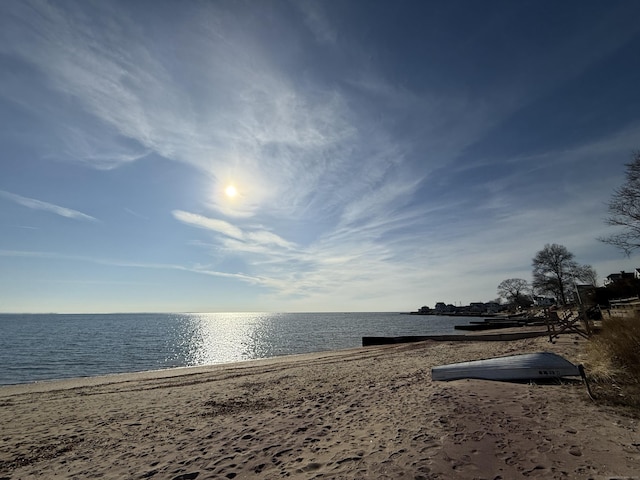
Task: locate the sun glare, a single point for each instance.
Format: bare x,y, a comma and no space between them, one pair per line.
231,191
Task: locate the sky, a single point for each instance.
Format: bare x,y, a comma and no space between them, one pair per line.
383,155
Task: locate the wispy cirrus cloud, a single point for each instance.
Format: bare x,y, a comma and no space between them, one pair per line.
243,120
199,269
34,204
206,223
338,264
294,149
254,236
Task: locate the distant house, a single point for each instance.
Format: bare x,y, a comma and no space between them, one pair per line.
442,307
621,277
543,301
493,307
476,307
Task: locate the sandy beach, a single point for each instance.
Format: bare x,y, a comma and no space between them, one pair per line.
367,413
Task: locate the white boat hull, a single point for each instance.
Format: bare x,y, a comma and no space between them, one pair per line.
529,366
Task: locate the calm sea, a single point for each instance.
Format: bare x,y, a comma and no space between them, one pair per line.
47,347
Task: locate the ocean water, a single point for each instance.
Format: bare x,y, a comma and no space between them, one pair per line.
47,347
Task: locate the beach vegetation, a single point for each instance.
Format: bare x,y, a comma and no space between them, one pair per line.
613,362
624,210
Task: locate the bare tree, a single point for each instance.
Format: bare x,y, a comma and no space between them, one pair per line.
514,290
624,210
587,274
553,271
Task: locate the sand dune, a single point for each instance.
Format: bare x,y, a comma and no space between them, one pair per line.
362,413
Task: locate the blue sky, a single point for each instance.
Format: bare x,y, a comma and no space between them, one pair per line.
386,155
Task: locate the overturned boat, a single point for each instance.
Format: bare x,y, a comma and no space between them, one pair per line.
528,366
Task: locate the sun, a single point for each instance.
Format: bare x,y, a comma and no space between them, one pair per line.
231,191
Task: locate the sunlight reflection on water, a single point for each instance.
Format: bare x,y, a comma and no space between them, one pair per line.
218,338
51,346
204,339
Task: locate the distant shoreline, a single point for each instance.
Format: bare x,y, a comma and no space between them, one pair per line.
455,314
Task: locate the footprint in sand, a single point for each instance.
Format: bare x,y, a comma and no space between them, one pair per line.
187,476
575,451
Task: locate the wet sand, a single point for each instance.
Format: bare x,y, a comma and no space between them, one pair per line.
367,413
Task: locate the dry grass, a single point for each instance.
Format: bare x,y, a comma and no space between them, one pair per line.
613,363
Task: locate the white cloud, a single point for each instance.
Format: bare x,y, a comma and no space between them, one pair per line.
264,237
125,264
253,239
34,204
212,224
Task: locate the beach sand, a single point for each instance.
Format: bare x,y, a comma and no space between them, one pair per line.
370,413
